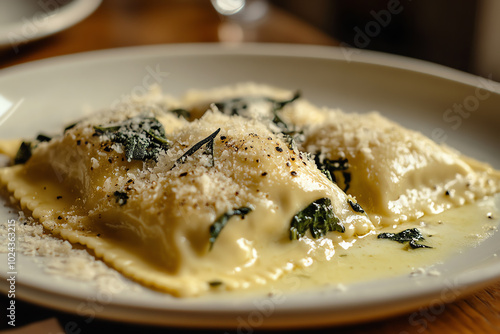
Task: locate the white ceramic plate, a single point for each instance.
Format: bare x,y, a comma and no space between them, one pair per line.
50,93
22,21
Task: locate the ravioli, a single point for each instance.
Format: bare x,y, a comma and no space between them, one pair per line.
397,174
153,220
232,188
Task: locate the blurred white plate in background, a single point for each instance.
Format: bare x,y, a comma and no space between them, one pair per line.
22,21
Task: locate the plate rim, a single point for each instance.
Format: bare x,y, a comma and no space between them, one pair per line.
337,53
282,50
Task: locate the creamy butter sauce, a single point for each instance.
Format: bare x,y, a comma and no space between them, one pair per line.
369,258
152,204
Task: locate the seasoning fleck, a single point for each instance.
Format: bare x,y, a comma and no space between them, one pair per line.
215,284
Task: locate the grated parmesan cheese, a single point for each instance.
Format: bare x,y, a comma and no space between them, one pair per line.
247,147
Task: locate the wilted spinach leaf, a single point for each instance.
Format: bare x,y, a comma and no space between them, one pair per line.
219,224
142,137
411,236
318,218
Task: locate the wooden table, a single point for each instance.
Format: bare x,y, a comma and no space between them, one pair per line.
118,23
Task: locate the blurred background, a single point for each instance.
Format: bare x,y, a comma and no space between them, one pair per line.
459,34
463,35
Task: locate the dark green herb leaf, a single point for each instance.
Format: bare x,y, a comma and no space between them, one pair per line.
43,138
291,143
347,180
355,206
278,105
292,137
411,235
215,284
23,153
293,133
413,244
106,129
142,137
159,139
238,106
327,174
332,166
121,197
318,218
233,106
403,236
219,224
26,148
69,127
209,141
278,121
